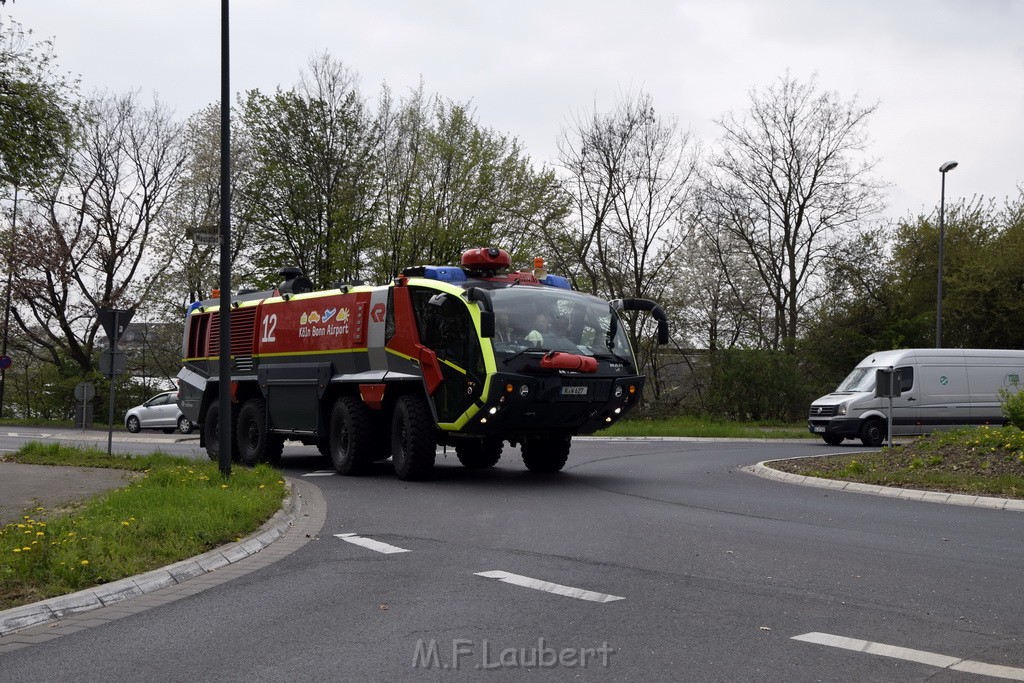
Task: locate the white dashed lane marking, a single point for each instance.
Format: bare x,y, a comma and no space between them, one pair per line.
320,473
920,656
379,546
547,586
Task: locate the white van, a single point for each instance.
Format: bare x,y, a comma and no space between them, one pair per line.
940,389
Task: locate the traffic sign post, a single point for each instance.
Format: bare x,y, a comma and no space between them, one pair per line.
84,393
115,322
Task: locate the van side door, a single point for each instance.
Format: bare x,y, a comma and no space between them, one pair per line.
905,419
945,397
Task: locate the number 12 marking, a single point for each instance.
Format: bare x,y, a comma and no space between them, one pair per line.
269,327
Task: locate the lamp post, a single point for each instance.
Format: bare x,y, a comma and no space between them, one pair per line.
945,168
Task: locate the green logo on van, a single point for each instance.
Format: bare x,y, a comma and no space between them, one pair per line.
943,380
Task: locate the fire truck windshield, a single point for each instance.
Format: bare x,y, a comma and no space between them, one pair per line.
555,320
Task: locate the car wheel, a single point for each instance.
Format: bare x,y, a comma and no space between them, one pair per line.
132,423
185,425
832,439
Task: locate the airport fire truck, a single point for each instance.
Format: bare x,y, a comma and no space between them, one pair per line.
469,357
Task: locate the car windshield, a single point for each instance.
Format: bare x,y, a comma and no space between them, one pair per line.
556,320
861,379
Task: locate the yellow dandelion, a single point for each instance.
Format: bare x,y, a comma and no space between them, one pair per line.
17,550
125,524
28,547
223,486
263,486
40,533
85,563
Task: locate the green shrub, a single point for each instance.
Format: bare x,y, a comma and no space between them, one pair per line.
1013,407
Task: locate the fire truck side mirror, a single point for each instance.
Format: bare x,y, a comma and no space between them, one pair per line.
486,310
486,324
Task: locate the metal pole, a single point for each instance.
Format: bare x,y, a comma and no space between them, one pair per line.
113,374
224,384
942,237
7,303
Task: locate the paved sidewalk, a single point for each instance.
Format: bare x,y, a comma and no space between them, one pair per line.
23,487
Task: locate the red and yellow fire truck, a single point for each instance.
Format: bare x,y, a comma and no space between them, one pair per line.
468,356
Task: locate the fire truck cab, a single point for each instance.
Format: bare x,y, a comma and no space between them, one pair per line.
468,356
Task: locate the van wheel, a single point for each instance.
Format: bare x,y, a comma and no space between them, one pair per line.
412,438
873,433
832,439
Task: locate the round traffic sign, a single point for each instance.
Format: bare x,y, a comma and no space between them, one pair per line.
85,391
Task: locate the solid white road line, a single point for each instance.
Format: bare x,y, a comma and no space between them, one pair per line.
549,587
919,656
380,547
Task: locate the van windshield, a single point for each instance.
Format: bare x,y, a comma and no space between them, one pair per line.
861,379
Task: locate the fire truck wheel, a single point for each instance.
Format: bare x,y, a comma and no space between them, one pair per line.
412,438
255,445
479,454
546,453
350,436
211,432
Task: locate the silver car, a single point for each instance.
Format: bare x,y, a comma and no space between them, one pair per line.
160,412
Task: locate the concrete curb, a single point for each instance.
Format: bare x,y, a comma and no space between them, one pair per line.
988,502
52,609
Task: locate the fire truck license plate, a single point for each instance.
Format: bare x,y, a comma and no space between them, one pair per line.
574,391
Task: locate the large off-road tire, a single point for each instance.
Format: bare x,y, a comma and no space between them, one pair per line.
133,425
546,454
872,433
255,445
832,439
413,438
211,431
479,454
350,436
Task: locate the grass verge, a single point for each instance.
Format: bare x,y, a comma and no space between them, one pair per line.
706,427
983,461
176,508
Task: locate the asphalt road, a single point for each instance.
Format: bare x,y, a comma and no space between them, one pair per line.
651,560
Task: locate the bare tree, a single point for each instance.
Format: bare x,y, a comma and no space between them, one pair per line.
87,237
629,173
193,271
789,175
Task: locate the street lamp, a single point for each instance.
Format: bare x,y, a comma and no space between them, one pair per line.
945,168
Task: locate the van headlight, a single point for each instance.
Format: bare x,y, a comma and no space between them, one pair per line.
841,410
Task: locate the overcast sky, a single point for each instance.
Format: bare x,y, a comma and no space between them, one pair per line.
948,75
